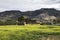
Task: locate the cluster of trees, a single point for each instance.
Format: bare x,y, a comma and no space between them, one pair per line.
8,22
25,20
52,21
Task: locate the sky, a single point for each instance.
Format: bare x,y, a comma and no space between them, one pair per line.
28,5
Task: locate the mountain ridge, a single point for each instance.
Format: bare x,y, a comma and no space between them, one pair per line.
14,14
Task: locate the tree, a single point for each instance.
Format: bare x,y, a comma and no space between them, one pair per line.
2,23
10,22
58,20
53,19
21,20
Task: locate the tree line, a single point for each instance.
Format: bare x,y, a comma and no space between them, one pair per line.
22,20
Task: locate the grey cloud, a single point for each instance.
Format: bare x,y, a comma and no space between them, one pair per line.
25,5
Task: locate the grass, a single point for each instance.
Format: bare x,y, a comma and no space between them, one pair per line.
28,27
28,32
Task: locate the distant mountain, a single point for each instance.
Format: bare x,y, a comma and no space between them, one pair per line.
41,13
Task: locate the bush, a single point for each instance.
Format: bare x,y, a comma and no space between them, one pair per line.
2,23
10,22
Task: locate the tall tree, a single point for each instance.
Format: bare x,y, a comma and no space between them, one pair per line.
21,20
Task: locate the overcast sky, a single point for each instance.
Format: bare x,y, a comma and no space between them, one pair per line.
28,5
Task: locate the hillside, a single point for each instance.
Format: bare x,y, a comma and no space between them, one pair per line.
41,13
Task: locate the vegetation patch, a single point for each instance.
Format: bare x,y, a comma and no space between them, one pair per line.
29,32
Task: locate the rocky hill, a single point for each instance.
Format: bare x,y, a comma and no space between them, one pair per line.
41,13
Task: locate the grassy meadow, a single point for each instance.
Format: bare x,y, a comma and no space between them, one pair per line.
29,32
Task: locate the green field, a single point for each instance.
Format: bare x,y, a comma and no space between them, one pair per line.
29,32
